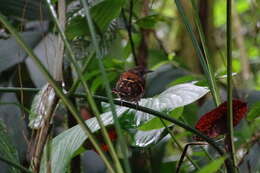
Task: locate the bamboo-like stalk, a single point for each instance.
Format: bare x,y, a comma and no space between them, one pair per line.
57,89
121,139
230,135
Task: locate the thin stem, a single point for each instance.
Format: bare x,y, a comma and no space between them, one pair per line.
230,135
84,84
9,162
179,145
57,89
216,96
205,64
146,110
109,94
84,68
128,25
184,153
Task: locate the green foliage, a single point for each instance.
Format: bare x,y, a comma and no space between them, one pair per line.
7,150
102,13
169,55
156,122
254,112
212,167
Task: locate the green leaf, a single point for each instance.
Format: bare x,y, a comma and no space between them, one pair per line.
254,112
102,14
183,79
148,22
7,150
156,123
212,166
64,146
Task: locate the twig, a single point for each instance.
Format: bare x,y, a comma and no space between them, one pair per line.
128,25
179,145
184,153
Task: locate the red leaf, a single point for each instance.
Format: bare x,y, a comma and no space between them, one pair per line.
214,123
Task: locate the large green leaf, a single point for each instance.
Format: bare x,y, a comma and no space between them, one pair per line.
7,150
64,146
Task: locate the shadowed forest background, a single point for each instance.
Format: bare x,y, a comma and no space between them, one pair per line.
61,59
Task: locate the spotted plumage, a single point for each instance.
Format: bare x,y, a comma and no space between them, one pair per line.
131,84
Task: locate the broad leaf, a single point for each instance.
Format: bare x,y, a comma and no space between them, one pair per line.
65,145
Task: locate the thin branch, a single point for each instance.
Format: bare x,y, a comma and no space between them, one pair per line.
128,25
184,153
179,145
230,135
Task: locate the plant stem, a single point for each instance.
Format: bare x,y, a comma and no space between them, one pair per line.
121,139
230,135
9,162
57,89
208,72
143,109
84,84
214,90
179,146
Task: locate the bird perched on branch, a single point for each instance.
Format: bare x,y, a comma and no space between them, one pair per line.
131,84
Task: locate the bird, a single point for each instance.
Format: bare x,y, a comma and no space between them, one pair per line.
131,84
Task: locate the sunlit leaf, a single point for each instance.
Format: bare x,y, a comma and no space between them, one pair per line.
65,145
145,138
